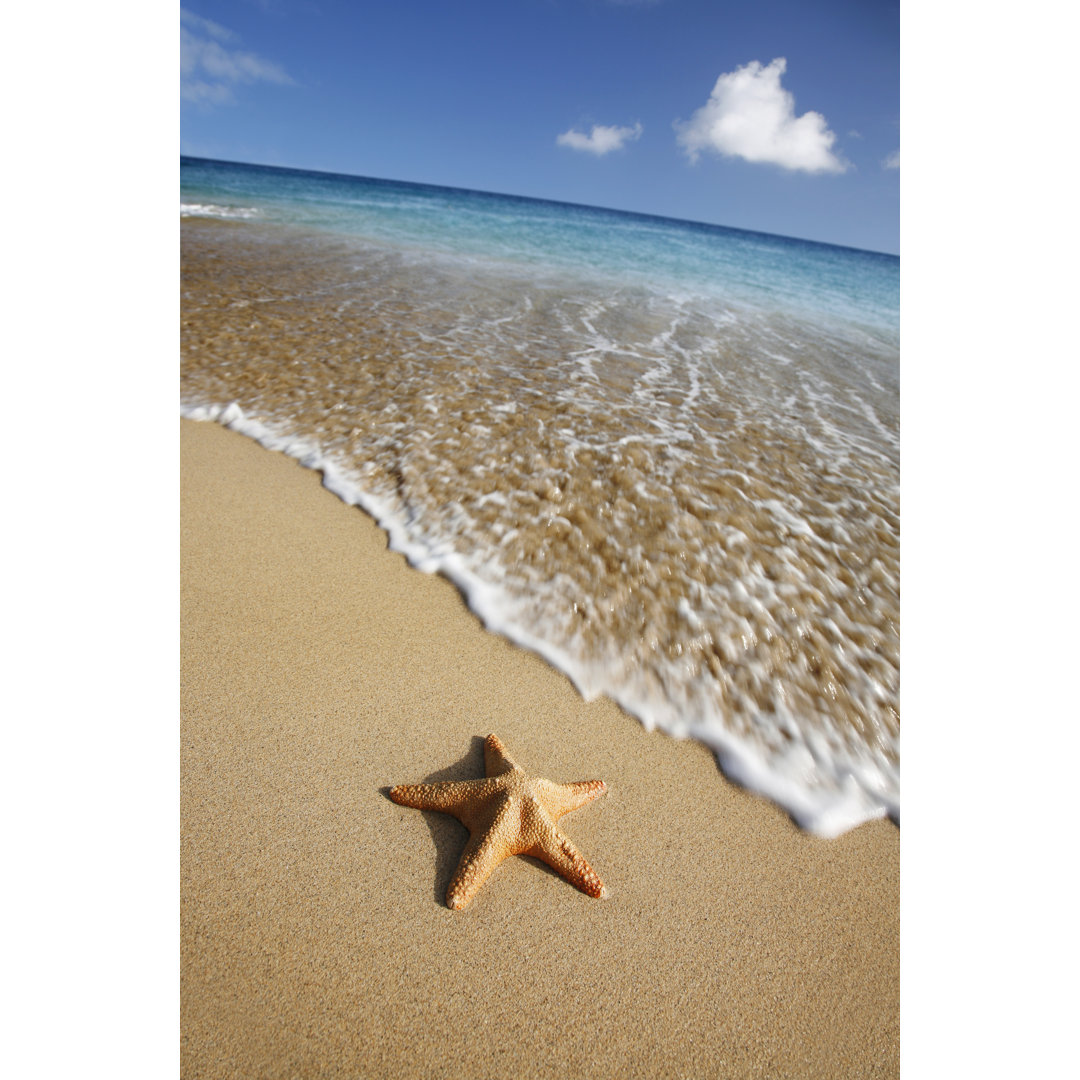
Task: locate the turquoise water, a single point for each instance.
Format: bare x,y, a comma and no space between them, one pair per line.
663,455
754,268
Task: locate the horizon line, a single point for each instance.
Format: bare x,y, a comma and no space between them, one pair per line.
543,199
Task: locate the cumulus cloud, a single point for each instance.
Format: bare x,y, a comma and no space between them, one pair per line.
751,116
210,67
892,161
601,140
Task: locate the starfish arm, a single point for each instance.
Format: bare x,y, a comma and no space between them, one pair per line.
446,796
484,851
559,799
554,849
496,759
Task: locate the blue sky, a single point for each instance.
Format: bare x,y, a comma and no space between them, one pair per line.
781,116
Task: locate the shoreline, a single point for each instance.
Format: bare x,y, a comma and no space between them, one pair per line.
319,669
825,813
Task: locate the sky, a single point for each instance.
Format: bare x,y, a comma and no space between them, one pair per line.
781,116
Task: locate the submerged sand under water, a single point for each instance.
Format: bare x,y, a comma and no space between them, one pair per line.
689,506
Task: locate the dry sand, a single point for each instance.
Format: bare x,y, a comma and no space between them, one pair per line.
318,670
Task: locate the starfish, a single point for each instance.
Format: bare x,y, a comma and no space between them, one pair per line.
507,813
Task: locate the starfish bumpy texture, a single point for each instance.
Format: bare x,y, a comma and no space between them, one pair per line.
507,813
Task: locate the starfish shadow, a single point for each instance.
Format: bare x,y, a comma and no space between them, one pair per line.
447,833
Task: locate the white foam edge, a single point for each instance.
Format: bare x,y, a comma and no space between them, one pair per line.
217,211
857,795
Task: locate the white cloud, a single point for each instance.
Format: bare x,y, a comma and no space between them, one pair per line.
892,161
751,116
209,71
601,140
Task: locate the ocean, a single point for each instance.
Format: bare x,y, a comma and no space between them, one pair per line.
663,455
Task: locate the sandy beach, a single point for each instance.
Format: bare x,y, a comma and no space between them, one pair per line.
318,669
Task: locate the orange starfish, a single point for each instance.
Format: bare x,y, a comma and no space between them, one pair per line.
507,813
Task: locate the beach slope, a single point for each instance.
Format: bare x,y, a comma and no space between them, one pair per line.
318,670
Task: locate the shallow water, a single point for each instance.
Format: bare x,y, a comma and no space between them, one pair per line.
685,494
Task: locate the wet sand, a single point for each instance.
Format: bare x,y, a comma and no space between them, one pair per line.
318,669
